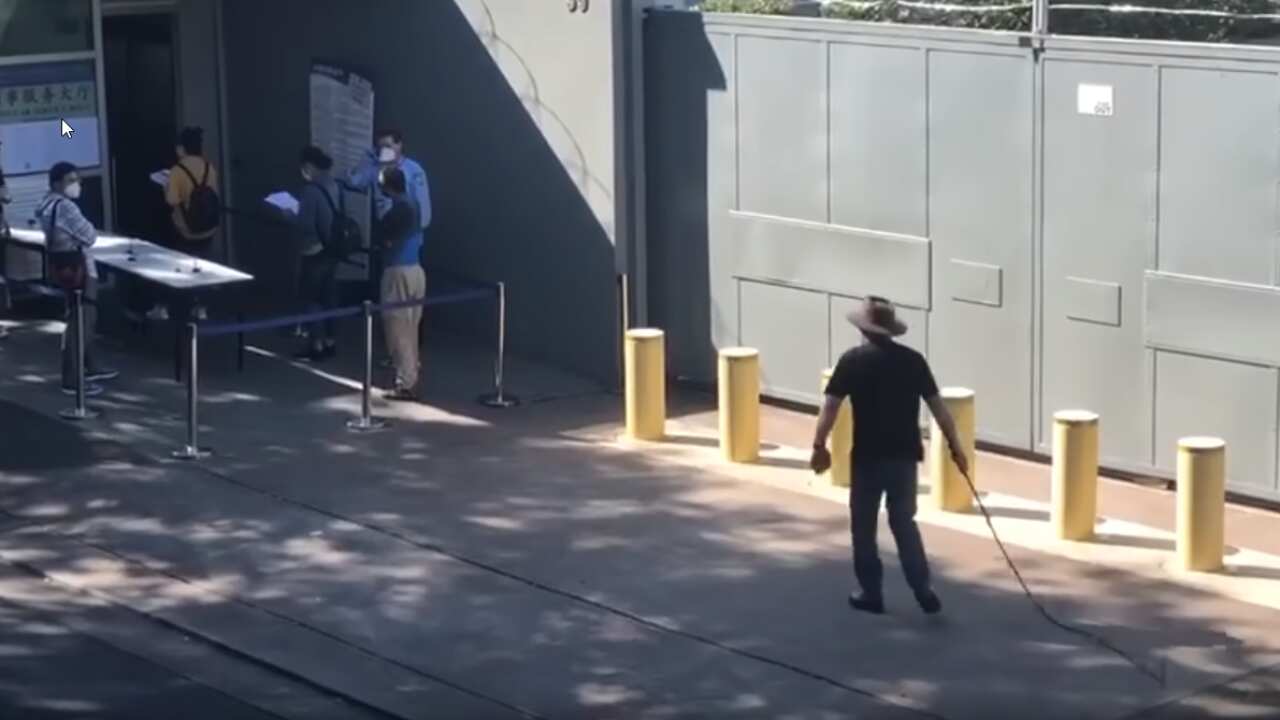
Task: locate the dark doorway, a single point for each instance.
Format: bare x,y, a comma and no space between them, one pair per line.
142,111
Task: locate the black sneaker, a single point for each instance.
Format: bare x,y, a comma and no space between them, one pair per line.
866,604
930,603
309,355
100,374
89,390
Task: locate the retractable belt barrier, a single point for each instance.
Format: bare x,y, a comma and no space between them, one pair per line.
366,422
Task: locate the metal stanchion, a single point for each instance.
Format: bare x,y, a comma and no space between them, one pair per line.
81,411
498,399
192,451
367,422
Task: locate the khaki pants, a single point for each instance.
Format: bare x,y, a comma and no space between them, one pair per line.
403,282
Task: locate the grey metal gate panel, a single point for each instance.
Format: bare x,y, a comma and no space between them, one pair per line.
1099,225
980,224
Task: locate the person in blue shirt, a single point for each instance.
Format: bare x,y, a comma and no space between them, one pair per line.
388,152
398,236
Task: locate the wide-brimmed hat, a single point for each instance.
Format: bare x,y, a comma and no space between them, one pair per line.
877,317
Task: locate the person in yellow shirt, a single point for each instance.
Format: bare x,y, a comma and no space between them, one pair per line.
192,194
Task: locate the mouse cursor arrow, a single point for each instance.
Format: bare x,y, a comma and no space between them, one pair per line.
67,130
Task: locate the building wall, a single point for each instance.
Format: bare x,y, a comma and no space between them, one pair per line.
510,107
1044,257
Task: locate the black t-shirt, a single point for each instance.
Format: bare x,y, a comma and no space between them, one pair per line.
884,382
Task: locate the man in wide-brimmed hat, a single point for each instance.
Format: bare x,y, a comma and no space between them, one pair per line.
884,382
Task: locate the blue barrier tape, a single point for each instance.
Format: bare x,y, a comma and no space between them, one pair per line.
304,318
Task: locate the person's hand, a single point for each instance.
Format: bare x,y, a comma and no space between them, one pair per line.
961,461
820,460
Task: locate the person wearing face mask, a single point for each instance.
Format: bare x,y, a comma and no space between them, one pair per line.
388,152
68,237
318,203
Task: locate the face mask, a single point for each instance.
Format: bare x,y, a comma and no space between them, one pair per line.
73,190
306,176
386,155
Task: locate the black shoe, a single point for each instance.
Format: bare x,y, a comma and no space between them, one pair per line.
329,352
89,390
866,604
310,355
99,374
401,394
930,603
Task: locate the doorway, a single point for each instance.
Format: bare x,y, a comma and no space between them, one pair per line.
140,61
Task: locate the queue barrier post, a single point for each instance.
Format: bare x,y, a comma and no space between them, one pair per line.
739,404
192,450
498,398
1202,468
81,411
841,442
948,488
367,422
1075,474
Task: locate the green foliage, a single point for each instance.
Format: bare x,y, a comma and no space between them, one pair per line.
890,11
752,7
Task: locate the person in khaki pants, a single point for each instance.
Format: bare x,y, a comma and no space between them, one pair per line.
399,236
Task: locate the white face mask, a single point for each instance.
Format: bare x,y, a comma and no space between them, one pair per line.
73,190
386,155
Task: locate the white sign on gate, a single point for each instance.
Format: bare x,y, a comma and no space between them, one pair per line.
1095,100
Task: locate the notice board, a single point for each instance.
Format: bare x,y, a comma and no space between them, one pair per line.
342,125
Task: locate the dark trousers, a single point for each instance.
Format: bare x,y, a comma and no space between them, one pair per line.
318,283
69,335
895,481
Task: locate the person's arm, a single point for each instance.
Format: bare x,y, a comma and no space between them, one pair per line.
307,219
75,225
364,175
422,193
836,391
173,188
946,423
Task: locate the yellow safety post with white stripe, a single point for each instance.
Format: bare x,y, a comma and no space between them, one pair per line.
841,441
1075,474
645,384
948,490
739,396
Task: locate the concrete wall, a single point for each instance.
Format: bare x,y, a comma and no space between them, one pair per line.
1046,258
510,107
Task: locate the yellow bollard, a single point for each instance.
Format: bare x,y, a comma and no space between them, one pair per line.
739,391
1075,474
1202,468
841,441
646,384
948,490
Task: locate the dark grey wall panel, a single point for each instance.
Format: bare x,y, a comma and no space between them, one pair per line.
789,328
1233,401
1099,225
831,258
980,214
878,138
1219,160
782,128
518,143
1219,319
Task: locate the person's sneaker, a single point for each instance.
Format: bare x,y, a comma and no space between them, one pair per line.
100,374
930,603
309,355
401,394
866,604
201,313
158,313
89,390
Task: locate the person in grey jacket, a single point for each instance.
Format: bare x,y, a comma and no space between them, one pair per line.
68,237
318,203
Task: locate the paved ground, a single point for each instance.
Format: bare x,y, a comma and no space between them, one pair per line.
473,563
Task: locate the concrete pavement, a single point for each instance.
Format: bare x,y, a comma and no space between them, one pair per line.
475,563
